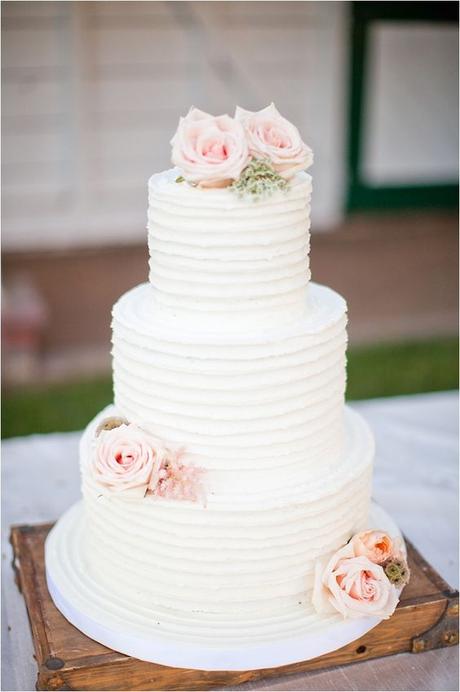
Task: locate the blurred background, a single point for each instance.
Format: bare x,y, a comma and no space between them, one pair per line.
92,93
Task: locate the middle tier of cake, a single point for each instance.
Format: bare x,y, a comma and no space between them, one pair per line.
251,559
270,401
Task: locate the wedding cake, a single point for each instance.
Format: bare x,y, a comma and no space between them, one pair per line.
229,470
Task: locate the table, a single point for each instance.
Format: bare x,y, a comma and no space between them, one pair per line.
415,479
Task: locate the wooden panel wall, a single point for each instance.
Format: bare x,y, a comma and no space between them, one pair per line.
93,91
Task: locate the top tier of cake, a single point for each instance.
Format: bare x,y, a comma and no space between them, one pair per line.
219,261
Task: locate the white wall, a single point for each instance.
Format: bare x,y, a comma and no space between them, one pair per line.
92,93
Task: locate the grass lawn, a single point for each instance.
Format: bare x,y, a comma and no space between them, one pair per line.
373,371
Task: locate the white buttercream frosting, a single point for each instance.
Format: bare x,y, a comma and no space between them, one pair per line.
235,261
266,399
254,554
232,353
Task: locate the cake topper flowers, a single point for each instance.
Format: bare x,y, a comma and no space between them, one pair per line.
362,578
125,457
256,153
210,150
270,136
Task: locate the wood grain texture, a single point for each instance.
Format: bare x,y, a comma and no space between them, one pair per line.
426,619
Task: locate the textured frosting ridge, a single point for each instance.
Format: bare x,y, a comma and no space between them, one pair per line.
216,256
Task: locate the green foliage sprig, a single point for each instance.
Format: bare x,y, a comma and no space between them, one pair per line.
259,179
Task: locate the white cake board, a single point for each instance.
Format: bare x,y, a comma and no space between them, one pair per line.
91,610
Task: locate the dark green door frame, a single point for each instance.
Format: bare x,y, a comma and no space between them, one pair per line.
360,195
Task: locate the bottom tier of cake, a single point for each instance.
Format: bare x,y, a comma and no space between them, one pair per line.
168,559
186,640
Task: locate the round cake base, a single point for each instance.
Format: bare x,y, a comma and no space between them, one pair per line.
115,625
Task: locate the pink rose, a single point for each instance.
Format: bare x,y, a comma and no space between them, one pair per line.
270,136
377,546
211,150
354,586
125,457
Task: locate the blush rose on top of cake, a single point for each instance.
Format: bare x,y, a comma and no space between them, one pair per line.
256,153
272,137
210,150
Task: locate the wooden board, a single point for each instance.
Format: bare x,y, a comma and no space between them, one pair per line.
426,618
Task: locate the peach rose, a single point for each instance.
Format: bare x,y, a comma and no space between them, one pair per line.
354,586
270,136
210,150
377,546
125,457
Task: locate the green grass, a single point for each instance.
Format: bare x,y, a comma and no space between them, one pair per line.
373,371
404,368
57,407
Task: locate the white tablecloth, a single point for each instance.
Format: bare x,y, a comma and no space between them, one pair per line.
416,480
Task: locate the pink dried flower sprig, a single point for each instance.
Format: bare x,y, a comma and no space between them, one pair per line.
176,480
127,458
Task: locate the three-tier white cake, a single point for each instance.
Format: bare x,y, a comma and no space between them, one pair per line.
231,354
